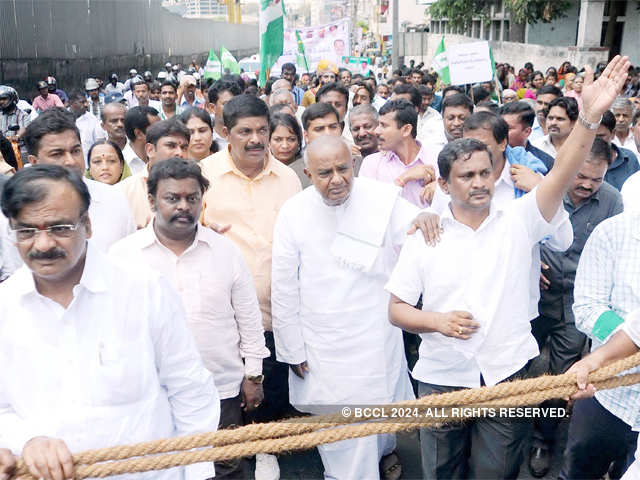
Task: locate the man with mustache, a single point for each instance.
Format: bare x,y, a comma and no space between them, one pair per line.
106,348
250,186
363,121
112,117
165,139
589,200
476,285
561,116
214,282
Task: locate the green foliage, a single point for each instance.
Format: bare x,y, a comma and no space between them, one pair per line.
461,13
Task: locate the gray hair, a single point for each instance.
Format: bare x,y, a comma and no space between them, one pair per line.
278,93
363,109
622,102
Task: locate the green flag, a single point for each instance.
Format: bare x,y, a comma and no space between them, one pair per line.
493,63
440,63
302,58
229,61
213,68
271,35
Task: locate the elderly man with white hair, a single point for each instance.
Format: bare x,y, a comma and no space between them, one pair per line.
285,96
334,245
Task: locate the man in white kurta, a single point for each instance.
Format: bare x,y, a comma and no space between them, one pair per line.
334,246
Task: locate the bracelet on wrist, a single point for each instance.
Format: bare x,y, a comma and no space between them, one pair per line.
586,123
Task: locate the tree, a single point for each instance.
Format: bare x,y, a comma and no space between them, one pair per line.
461,13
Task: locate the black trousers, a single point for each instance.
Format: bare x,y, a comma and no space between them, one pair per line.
485,448
596,439
231,417
566,345
275,405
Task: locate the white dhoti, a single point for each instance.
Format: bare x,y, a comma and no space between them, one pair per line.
357,458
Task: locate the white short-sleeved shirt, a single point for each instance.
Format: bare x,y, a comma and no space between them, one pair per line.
485,272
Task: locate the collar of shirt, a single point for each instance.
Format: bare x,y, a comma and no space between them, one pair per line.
230,167
196,102
571,208
495,210
92,279
421,157
149,237
505,176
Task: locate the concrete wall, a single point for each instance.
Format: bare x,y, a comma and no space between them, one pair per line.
73,39
422,47
631,35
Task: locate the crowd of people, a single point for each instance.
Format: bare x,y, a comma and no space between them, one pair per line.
180,254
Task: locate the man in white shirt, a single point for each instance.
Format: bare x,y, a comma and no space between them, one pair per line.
430,126
107,351
561,116
333,246
86,122
53,138
622,108
631,193
214,282
475,286
136,122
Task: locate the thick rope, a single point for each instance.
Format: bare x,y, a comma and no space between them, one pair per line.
309,432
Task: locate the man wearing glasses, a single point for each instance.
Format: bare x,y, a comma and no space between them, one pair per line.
100,355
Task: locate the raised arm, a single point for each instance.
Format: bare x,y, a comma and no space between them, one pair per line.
597,97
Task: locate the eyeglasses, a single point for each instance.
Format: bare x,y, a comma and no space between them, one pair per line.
58,231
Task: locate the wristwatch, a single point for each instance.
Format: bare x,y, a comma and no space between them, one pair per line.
586,123
255,378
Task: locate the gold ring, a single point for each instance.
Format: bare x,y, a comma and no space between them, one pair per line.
459,330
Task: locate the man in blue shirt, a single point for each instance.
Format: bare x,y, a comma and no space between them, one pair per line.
624,162
289,74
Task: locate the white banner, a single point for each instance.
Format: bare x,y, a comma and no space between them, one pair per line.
325,42
469,63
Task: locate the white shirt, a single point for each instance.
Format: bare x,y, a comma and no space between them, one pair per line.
544,143
136,165
220,300
118,366
485,272
331,315
631,193
110,215
631,327
221,141
431,128
629,143
88,124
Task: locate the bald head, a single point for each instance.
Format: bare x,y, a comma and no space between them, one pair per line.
281,84
329,166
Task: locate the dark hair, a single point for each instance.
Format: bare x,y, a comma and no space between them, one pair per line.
104,141
76,95
138,81
6,149
287,121
414,94
167,128
222,86
493,107
168,82
480,94
601,149
333,87
367,87
317,110
137,117
417,70
460,149
536,73
405,113
450,88
525,112
52,121
178,169
549,89
398,72
25,187
242,106
457,100
488,121
288,66
636,117
197,112
608,120
430,78
569,104
528,66
424,90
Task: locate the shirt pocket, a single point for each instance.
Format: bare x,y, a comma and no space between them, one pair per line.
122,374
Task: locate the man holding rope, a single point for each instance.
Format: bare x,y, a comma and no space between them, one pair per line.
475,287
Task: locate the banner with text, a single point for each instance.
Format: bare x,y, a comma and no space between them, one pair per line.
469,63
325,42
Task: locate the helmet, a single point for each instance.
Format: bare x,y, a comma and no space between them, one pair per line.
51,81
148,76
167,65
137,80
133,72
42,84
113,76
175,68
91,84
9,93
162,75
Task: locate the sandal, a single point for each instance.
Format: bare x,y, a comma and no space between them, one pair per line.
390,467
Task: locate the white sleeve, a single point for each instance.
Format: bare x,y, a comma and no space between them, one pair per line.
402,215
562,237
631,326
528,214
285,293
406,281
192,394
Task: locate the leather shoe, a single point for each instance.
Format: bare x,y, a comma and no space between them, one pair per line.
539,461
